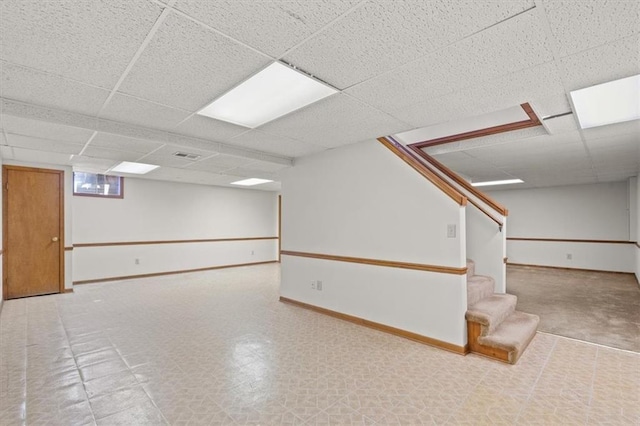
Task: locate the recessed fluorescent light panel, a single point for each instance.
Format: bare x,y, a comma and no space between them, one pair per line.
608,103
273,92
135,168
497,182
251,182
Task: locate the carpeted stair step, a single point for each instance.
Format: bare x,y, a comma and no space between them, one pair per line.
471,268
492,311
513,335
478,287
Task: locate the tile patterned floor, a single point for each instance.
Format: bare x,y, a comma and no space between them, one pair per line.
218,348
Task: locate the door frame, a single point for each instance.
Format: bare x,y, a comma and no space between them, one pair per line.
5,223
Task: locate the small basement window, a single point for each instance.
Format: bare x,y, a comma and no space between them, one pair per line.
94,185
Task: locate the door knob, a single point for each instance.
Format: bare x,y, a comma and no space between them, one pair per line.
54,239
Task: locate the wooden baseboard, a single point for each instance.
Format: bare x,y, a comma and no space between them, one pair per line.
463,350
158,274
567,269
68,290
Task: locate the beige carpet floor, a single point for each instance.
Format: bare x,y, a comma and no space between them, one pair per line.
597,307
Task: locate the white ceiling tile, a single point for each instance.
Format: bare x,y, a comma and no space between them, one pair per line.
280,145
373,39
110,154
220,162
538,82
541,81
272,27
123,143
28,85
552,105
605,63
165,156
611,130
566,123
45,130
264,166
335,121
29,142
505,48
85,40
580,25
36,156
187,66
128,109
91,165
209,128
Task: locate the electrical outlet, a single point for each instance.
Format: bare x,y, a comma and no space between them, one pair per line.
313,285
569,256
137,261
319,285
451,231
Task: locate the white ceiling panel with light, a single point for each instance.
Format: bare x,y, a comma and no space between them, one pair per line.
202,89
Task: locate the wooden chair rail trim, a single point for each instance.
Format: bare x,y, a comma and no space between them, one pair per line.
565,240
568,269
502,128
463,183
406,156
158,274
68,248
378,262
138,243
462,350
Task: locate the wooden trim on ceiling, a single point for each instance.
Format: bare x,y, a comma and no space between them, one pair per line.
158,274
568,269
637,244
463,183
533,121
68,248
378,262
441,184
138,243
563,240
462,350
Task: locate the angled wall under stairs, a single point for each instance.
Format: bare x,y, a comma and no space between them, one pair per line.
494,327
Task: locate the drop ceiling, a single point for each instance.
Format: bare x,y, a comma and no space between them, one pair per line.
89,83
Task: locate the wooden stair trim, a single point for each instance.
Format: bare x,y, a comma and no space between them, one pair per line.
499,208
405,155
474,330
533,121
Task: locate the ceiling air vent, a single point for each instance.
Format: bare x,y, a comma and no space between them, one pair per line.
186,155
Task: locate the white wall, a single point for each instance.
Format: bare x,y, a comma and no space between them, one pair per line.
68,214
635,221
1,236
486,246
162,211
589,212
363,201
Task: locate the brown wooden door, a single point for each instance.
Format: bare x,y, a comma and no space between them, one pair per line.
33,231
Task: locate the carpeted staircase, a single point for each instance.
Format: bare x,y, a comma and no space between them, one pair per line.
494,327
